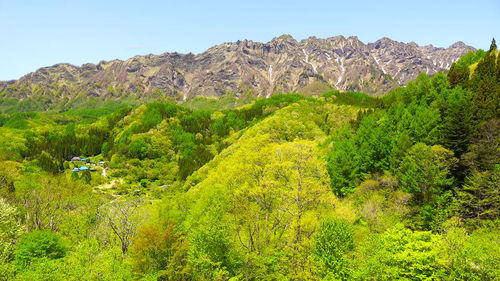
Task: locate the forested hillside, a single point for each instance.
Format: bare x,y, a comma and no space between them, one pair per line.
344,186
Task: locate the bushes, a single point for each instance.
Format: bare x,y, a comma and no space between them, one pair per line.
37,245
352,98
399,254
334,238
159,248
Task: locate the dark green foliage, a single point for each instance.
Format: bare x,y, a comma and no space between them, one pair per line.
484,153
486,89
61,145
493,46
75,176
37,245
459,75
197,121
359,117
28,105
3,118
184,144
343,167
425,171
480,196
86,176
137,149
156,112
262,209
48,163
19,120
458,127
370,148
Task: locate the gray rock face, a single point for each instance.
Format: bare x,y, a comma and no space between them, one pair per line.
279,66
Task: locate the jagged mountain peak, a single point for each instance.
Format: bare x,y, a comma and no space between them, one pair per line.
281,65
458,44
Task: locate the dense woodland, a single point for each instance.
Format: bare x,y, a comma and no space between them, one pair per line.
343,186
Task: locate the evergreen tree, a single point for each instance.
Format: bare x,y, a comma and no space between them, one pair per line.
86,176
457,128
459,76
498,70
486,89
480,196
493,46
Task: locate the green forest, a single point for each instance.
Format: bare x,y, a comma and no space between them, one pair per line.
343,186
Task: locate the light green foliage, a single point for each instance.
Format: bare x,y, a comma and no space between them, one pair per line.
88,261
46,200
379,204
469,256
119,221
91,261
335,237
275,196
470,58
9,174
399,254
210,252
10,231
159,249
227,101
12,144
249,191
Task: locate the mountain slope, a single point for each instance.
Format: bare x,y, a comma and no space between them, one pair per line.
281,65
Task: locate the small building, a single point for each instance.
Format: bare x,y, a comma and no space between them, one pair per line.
84,159
83,168
75,170
92,169
76,159
101,162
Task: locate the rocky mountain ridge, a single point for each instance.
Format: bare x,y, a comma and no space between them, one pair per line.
246,67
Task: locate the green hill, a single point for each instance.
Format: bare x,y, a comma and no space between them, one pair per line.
343,186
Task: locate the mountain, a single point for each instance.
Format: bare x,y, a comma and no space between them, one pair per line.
282,65
342,186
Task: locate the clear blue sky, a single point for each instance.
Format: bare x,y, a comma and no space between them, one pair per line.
37,33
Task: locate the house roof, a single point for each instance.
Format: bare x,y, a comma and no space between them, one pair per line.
83,168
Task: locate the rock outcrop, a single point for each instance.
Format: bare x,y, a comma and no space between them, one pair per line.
281,65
